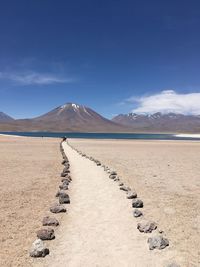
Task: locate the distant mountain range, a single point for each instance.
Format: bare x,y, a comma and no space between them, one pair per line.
159,122
78,118
66,118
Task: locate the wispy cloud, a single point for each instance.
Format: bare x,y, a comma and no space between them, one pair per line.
167,101
34,78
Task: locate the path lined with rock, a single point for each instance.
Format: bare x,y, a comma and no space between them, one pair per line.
101,226
39,248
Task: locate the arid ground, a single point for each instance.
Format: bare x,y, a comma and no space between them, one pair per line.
99,229
29,174
166,175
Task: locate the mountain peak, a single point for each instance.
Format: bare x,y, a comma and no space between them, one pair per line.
5,118
68,105
73,107
72,116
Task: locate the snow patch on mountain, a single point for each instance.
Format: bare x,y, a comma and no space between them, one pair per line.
75,106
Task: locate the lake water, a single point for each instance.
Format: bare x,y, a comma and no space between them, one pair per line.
103,135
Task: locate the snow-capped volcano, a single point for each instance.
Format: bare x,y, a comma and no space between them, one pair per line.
68,112
75,117
72,117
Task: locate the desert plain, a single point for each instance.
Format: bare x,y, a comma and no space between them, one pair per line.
165,174
28,179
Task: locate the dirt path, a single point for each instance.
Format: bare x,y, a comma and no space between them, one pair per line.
99,229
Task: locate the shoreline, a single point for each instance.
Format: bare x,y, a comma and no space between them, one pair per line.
177,137
188,135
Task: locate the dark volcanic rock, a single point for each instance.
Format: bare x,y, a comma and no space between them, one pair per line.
67,166
146,227
137,203
66,172
61,193
158,242
112,176
64,186
64,198
131,194
66,169
125,188
63,174
46,234
66,180
49,221
57,208
137,213
65,162
38,249
64,156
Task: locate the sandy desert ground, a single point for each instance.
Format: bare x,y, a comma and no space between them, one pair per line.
29,172
99,229
166,175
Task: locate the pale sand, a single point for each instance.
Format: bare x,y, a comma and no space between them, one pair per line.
166,175
100,229
29,176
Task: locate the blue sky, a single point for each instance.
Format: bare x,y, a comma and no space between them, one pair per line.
110,55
